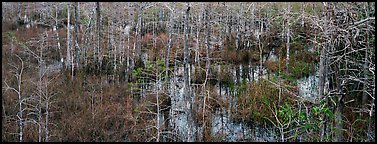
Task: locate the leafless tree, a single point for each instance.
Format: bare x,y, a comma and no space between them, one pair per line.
68,64
77,49
18,72
97,57
187,90
57,33
287,25
170,33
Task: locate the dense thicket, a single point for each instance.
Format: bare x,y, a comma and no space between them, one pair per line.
131,71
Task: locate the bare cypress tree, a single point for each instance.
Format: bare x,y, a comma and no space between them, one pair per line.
77,49
197,37
68,66
208,37
170,31
18,72
138,61
365,65
251,26
128,55
187,93
98,47
334,74
238,35
40,88
259,33
86,37
287,18
113,42
321,72
57,33
19,11
369,135
302,13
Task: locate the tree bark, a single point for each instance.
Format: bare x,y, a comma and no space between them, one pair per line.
186,77
170,30
77,49
365,89
238,35
68,66
57,33
208,37
339,110
138,62
98,47
322,63
365,65
288,36
19,10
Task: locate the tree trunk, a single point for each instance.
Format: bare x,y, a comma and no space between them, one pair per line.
208,37
138,62
158,111
77,55
322,65
186,77
113,43
260,32
40,91
288,36
302,14
46,119
19,11
86,37
339,120
68,66
238,28
321,74
370,132
339,105
170,30
97,54
57,33
365,65
129,66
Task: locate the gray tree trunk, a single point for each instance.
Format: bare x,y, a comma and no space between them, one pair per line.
366,83
170,31
129,66
259,33
208,37
238,36
339,109
68,66
365,66
21,120
288,36
322,74
302,14
57,32
138,61
322,64
339,116
86,37
77,49
19,19
98,47
47,134
186,78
